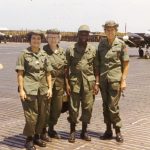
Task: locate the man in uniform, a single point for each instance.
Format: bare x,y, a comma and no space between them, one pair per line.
80,81
113,61
56,56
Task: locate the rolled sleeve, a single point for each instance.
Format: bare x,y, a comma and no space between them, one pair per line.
125,55
48,65
20,63
68,57
97,60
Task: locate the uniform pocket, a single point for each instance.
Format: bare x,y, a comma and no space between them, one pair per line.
91,85
115,86
91,78
75,87
90,57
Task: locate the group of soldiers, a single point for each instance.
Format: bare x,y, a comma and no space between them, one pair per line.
46,74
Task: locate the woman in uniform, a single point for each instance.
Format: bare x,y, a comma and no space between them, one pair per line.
34,86
113,61
56,56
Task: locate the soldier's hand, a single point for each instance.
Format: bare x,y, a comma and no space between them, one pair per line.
68,89
49,93
123,85
96,89
22,95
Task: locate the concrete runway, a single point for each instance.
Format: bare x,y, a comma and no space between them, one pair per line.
134,108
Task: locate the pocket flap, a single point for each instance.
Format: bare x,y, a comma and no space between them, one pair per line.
91,78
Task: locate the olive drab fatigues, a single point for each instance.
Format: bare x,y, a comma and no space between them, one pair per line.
36,105
110,60
81,64
58,62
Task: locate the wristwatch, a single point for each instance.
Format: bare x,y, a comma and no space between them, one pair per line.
97,83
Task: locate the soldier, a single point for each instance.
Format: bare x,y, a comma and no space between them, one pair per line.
34,86
56,56
113,63
80,81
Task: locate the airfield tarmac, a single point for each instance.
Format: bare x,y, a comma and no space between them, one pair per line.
134,109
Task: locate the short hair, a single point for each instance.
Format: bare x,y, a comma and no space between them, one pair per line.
29,35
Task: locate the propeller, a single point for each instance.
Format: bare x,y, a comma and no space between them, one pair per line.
126,37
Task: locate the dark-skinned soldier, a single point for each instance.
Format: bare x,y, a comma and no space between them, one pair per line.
82,82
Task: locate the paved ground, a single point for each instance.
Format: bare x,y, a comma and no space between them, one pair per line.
134,107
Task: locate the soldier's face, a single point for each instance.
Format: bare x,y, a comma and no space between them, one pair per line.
53,39
83,36
110,32
35,41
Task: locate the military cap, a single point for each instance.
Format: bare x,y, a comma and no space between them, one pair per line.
110,23
84,28
35,32
53,31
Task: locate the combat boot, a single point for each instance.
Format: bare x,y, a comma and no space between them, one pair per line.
71,138
84,134
52,133
119,137
108,134
37,140
29,144
45,137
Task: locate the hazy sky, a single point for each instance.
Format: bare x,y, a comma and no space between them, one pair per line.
68,15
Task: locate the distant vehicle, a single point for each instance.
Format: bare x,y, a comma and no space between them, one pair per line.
3,37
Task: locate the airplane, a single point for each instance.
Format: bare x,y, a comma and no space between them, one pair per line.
138,40
134,40
146,37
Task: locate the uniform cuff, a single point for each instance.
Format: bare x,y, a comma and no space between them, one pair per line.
19,68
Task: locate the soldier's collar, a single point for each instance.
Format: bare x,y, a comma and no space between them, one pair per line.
115,42
50,51
87,48
29,51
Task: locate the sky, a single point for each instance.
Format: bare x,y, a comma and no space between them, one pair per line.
68,15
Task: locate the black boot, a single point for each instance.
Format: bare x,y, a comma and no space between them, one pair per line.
71,138
45,137
38,141
108,133
29,143
119,137
52,133
84,134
